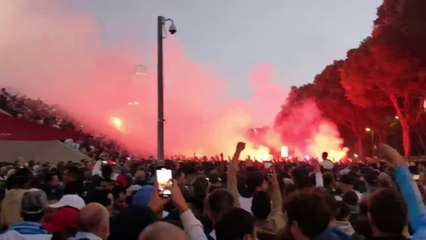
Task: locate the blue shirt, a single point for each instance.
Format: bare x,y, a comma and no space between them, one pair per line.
28,228
412,196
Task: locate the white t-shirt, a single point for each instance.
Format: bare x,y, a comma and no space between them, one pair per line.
245,203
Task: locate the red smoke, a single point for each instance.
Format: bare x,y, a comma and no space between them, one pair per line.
55,54
308,133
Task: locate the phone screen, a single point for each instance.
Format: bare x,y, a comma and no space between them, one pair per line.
164,179
267,165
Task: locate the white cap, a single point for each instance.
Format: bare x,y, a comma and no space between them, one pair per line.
132,189
69,200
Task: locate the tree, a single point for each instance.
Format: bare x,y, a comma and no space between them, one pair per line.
376,74
331,99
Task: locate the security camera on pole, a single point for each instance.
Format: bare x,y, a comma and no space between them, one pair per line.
172,29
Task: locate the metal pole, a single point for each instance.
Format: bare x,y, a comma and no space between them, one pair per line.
372,143
160,127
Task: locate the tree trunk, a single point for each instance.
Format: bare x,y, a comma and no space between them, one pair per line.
422,142
406,142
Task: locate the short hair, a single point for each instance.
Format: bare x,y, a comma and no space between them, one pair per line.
350,198
310,211
75,172
98,196
254,179
107,172
324,155
117,190
129,222
214,176
301,178
200,186
219,201
343,211
235,224
178,173
388,211
261,205
347,179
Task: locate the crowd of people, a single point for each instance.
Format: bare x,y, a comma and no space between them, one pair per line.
210,199
223,200
35,110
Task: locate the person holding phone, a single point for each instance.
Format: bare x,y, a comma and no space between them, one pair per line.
170,191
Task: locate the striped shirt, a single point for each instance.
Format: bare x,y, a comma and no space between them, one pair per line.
28,228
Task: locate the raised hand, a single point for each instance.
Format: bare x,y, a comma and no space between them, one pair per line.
177,197
241,146
391,155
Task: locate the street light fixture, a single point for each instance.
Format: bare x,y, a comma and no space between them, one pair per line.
141,70
369,130
161,34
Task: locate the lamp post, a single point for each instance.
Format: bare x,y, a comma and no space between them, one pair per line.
369,130
160,75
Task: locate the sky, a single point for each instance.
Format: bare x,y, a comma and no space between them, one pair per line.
298,37
228,68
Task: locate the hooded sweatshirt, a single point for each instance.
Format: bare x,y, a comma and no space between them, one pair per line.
11,207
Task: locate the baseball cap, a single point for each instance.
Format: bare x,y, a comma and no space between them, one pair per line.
143,195
133,189
61,219
69,200
34,201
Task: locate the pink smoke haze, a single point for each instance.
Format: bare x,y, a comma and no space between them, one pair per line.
56,55
308,133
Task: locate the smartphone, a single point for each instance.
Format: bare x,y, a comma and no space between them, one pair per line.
267,165
164,180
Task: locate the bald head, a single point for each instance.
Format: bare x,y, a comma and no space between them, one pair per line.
162,231
94,218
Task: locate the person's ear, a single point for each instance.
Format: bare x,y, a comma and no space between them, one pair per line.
105,230
250,236
370,219
295,229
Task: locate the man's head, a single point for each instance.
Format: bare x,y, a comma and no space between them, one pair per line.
140,177
34,203
343,211
102,197
179,175
324,155
72,174
218,202
350,198
51,179
255,182
162,231
261,205
94,218
119,194
21,178
200,186
387,212
236,224
308,214
214,176
130,222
